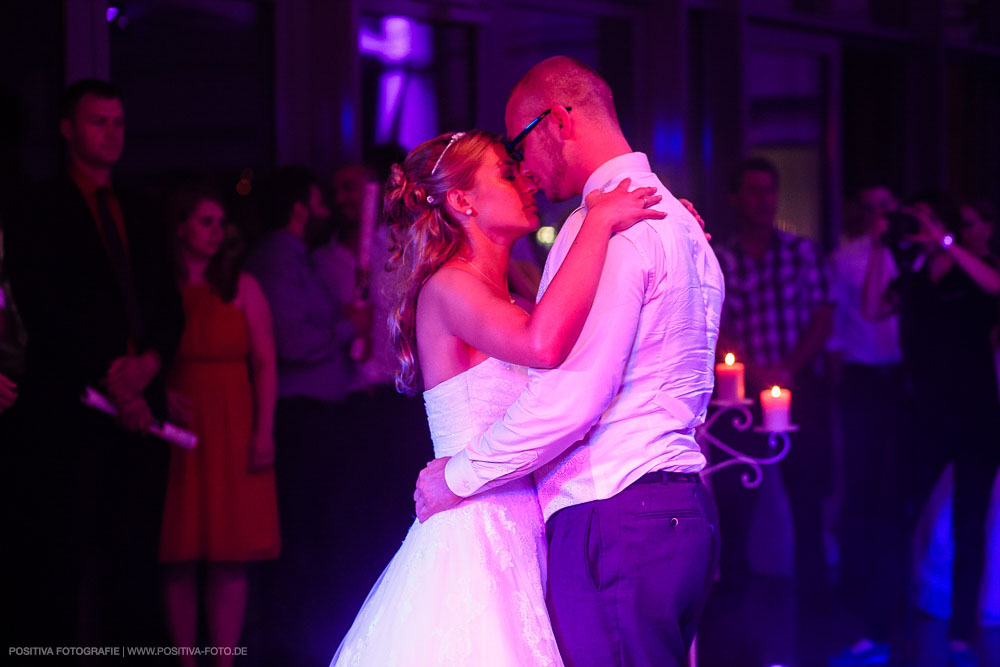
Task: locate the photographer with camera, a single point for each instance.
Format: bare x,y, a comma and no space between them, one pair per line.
945,290
865,368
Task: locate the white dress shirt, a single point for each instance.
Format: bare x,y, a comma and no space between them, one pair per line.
861,340
636,385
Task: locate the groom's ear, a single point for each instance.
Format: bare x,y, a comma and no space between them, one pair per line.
564,122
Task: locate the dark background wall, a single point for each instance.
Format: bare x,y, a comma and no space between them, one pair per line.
834,90
31,77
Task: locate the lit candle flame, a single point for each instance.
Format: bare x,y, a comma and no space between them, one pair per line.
730,359
776,391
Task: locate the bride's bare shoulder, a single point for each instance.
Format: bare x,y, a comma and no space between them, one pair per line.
449,282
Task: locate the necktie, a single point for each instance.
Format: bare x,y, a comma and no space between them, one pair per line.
119,263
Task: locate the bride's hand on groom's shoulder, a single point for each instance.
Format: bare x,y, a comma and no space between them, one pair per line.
432,494
619,208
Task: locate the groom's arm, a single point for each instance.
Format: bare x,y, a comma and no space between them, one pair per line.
559,406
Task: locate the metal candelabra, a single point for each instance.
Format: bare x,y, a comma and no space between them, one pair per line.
777,441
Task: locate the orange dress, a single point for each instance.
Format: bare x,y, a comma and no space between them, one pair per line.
216,509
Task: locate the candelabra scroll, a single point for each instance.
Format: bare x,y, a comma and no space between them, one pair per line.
742,421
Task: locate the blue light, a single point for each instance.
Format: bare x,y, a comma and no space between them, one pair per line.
111,14
668,141
347,123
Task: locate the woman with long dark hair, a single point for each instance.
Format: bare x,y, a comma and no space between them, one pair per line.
220,507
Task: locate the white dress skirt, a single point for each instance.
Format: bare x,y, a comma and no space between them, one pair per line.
466,587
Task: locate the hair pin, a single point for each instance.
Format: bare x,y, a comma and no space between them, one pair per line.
455,137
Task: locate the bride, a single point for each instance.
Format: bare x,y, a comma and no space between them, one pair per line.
467,586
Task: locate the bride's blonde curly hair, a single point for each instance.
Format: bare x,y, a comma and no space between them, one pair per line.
424,233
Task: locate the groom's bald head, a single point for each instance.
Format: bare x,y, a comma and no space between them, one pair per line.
578,132
561,81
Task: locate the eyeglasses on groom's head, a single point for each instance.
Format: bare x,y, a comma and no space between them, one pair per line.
513,146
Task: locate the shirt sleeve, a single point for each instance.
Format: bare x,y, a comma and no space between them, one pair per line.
301,335
559,406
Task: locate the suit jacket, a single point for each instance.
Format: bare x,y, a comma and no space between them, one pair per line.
70,301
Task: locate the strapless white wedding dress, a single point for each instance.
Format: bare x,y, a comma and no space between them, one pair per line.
466,587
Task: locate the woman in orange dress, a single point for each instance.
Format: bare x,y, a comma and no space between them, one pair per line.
220,507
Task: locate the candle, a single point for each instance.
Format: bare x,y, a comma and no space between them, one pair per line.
776,405
729,380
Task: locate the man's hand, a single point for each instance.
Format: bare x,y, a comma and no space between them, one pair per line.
931,231
432,494
691,209
128,376
8,392
134,415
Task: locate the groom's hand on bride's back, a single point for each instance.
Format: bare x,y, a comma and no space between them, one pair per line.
432,494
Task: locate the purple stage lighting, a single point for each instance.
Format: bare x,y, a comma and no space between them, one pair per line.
394,45
668,140
405,96
111,14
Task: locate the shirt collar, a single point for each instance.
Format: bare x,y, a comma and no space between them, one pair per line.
613,169
87,185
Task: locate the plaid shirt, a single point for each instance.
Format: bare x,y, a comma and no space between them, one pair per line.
769,302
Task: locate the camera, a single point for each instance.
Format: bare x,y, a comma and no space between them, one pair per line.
902,226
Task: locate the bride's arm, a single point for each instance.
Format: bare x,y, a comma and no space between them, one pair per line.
474,312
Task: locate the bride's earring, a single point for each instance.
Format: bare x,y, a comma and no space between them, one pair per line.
468,211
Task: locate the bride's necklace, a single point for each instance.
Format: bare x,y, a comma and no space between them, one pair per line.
487,278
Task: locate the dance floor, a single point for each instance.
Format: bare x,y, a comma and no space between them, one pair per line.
759,625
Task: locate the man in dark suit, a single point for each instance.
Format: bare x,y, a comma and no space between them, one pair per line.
92,280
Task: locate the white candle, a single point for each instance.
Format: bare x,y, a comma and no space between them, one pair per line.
729,383
776,405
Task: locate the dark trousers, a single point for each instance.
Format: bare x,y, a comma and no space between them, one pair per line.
961,429
83,505
629,576
873,539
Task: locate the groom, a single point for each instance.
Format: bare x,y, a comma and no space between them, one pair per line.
609,434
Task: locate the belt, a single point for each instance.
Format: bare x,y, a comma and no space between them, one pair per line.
667,476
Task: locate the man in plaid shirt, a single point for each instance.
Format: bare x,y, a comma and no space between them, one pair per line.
777,317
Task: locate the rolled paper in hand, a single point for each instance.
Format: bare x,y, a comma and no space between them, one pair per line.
776,406
729,381
174,435
164,430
